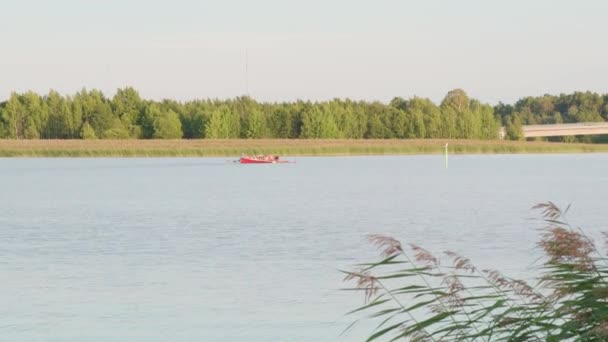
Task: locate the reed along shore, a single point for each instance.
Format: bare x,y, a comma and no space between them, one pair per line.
284,147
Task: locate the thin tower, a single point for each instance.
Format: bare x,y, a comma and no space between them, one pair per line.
246,72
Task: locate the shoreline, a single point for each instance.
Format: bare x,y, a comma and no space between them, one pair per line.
283,147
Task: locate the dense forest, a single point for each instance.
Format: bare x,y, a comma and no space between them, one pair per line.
92,115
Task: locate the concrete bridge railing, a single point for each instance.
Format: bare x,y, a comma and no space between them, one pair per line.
557,130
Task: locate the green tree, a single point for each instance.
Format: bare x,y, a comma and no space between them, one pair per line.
160,123
87,132
449,118
97,111
146,120
167,126
376,128
284,121
193,119
14,116
127,105
255,124
457,118
456,99
513,128
221,124
490,125
102,118
4,127
116,130
401,124
418,129
317,123
31,132
357,123
432,117
75,120
36,115
59,125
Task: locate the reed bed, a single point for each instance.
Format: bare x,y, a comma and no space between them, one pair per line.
235,147
413,295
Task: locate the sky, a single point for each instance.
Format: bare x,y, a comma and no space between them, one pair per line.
282,50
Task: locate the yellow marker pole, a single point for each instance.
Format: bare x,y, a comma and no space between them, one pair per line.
446,155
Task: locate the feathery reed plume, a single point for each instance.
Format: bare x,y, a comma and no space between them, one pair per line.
524,290
549,210
453,285
460,262
388,245
519,287
570,302
497,279
424,256
564,245
365,282
560,242
601,331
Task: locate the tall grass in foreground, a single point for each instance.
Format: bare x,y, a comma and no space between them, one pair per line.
413,295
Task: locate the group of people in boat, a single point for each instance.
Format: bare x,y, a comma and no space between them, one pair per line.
264,157
267,157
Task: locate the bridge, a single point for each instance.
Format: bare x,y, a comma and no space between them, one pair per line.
560,130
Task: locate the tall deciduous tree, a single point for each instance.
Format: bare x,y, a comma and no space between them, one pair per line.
15,115
60,124
456,99
167,125
318,123
513,128
222,124
255,124
127,105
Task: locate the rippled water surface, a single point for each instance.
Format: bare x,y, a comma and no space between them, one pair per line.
208,250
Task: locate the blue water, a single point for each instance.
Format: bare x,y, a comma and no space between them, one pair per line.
205,250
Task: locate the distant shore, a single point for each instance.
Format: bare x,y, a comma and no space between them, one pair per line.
235,147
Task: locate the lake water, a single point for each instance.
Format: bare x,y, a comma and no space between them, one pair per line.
207,250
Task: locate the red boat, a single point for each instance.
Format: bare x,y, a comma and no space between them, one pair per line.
261,159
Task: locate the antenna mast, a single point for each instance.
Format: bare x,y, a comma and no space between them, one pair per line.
247,72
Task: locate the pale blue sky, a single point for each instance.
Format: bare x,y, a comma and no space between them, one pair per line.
313,49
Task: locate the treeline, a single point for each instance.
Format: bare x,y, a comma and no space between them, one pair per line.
91,115
550,109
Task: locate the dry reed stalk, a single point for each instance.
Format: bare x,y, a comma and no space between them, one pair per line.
232,147
571,304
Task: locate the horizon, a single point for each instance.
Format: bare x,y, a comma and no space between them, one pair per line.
313,51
